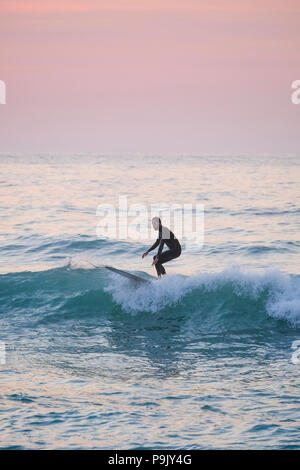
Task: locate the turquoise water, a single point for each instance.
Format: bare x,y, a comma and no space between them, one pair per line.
200,359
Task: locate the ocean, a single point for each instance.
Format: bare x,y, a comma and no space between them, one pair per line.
206,358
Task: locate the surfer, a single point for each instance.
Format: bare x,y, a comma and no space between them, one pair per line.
165,236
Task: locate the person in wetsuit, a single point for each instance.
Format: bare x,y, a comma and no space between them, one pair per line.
165,236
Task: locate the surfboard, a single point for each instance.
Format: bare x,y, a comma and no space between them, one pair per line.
133,277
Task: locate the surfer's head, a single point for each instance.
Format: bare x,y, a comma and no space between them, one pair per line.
156,222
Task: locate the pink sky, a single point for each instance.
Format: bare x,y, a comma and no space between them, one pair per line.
180,76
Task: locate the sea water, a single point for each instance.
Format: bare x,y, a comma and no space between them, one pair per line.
205,358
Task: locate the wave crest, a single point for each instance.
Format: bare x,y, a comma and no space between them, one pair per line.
233,290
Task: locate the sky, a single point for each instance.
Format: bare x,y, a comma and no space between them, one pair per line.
140,76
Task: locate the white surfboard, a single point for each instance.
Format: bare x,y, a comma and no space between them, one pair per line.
133,277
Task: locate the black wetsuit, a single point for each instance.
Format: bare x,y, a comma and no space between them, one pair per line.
165,236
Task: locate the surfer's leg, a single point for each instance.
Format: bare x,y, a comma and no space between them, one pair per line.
158,267
162,270
165,257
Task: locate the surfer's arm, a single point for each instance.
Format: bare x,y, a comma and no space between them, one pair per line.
154,245
161,245
164,235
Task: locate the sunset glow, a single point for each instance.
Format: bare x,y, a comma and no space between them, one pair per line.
135,76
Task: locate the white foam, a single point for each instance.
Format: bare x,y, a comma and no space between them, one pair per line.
79,263
283,291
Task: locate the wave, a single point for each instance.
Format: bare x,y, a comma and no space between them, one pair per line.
232,292
230,299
